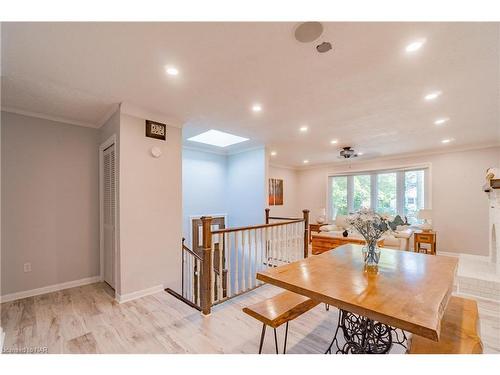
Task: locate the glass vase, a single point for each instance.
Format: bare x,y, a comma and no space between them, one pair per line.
371,256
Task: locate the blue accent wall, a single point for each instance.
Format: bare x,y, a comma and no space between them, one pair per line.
219,184
203,186
246,183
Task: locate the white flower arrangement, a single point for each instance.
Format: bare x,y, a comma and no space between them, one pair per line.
369,224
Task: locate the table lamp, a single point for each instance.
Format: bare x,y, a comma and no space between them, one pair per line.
425,215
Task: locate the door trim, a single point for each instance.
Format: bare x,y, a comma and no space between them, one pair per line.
108,143
191,217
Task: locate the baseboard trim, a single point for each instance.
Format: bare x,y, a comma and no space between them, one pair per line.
482,258
448,254
122,298
49,289
2,339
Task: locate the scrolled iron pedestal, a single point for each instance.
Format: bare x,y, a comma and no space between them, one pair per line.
365,336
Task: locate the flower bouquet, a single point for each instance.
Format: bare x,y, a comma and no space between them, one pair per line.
372,227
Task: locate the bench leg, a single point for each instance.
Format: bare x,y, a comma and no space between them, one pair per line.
286,337
276,341
262,335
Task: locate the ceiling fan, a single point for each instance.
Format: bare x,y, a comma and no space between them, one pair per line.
347,153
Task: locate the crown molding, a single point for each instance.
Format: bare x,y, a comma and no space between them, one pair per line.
140,112
48,117
200,149
220,152
114,108
292,168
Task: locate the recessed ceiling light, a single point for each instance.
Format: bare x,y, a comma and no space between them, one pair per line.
306,161
256,108
217,138
303,129
360,153
334,141
274,153
441,121
172,70
447,140
415,46
432,95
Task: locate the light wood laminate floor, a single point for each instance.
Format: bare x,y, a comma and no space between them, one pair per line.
87,320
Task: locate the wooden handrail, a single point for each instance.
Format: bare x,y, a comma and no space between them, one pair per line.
181,298
237,229
285,218
185,248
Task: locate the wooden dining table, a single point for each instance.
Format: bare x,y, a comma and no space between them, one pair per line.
410,291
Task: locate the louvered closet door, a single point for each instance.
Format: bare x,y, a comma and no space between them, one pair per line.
109,207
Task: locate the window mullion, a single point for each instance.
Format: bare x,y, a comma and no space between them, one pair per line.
350,194
373,191
400,195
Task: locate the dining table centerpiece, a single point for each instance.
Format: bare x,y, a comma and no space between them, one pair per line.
372,226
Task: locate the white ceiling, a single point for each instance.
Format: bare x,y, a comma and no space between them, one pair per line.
367,92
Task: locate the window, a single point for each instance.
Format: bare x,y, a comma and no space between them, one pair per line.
338,198
413,195
361,192
393,192
387,193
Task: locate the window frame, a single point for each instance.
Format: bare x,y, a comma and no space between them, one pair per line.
400,186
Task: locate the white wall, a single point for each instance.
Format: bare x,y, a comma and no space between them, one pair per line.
150,208
50,210
459,206
246,187
204,186
291,204
223,184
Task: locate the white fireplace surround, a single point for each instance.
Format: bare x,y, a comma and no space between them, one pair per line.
479,276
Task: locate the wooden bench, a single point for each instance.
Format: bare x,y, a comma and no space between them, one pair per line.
459,331
278,310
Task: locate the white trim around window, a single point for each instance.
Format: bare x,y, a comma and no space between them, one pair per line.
399,169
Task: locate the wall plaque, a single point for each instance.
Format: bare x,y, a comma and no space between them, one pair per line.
156,130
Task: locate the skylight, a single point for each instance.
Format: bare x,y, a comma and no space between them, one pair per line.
217,138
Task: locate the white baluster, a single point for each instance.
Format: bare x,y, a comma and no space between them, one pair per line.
221,273
254,258
212,284
242,254
237,264
228,263
190,277
198,280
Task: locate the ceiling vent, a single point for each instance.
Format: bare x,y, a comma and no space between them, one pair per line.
347,153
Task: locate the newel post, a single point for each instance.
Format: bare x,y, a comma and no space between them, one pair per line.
206,270
306,232
267,215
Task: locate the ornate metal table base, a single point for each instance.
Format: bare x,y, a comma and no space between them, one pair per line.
365,336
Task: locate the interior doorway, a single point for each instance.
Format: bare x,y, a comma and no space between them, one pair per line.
108,199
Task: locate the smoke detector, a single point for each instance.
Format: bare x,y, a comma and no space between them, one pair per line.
324,47
347,153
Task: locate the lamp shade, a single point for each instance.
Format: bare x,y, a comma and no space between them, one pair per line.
425,214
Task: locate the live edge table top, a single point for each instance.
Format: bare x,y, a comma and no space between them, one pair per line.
410,290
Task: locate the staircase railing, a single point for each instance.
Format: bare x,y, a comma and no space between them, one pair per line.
229,259
233,256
